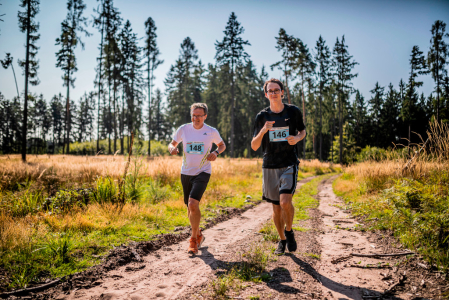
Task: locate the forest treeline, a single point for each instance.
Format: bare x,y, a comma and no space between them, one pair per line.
340,120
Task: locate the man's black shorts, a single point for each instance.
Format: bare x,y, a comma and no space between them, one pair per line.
194,186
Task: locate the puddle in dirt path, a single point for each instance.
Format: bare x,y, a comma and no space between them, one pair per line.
168,272
349,277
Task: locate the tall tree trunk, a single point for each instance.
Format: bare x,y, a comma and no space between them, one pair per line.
321,127
27,70
286,87
149,107
233,110
99,82
109,114
115,116
438,89
122,125
340,129
67,112
332,137
303,115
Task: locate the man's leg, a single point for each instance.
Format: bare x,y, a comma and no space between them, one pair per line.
288,211
194,216
279,220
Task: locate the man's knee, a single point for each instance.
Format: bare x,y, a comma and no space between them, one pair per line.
285,201
194,205
276,209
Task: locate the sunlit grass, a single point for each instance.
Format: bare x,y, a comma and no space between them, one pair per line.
408,197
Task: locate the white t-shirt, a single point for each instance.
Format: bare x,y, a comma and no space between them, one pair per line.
197,144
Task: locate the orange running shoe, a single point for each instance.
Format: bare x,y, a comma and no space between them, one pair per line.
193,247
200,238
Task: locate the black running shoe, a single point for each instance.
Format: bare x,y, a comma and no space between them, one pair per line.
280,250
291,243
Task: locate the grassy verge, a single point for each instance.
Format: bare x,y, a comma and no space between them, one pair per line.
416,209
61,214
252,265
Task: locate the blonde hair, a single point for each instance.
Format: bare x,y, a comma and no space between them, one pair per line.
198,105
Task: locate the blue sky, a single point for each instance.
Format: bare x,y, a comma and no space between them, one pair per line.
380,35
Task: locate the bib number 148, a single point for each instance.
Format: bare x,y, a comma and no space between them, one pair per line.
195,148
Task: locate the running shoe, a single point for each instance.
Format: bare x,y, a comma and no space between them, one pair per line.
280,250
291,243
193,246
200,239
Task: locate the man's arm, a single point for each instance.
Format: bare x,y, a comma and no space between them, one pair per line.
173,148
213,156
294,139
257,140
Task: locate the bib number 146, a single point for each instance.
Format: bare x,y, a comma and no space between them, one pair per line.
278,134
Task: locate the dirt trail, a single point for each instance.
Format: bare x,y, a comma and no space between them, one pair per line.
350,277
168,272
340,281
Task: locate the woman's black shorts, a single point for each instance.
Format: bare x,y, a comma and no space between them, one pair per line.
194,186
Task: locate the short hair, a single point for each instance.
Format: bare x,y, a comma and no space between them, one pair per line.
273,80
198,105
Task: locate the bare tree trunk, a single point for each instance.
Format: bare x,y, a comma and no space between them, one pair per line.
27,70
233,110
67,113
340,122
303,115
286,87
149,107
115,115
99,83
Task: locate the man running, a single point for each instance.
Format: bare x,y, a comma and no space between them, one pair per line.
197,139
278,128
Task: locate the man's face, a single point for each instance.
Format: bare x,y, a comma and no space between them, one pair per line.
274,92
198,117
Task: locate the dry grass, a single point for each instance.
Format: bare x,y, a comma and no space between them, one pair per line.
407,195
428,158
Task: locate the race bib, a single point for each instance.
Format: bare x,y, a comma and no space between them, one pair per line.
195,148
279,134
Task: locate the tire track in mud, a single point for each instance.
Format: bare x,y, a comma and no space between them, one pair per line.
168,272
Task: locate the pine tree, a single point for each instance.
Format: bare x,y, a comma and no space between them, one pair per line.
180,84
111,60
304,67
436,58
376,105
71,28
343,66
287,44
231,50
389,118
30,65
98,22
132,77
359,119
151,54
57,118
323,61
409,109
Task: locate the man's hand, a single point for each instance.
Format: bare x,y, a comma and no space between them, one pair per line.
173,150
293,139
268,125
212,156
